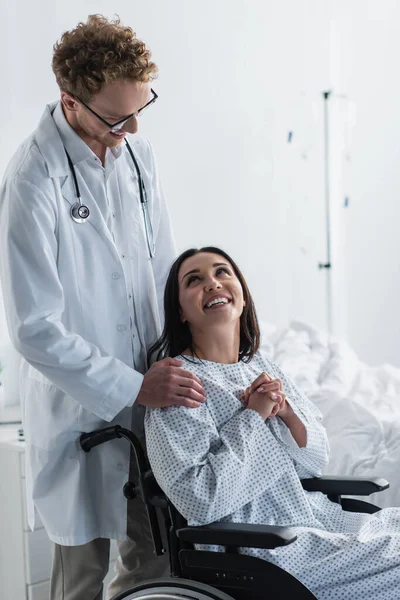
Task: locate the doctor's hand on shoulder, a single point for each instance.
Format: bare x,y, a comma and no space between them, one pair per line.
166,384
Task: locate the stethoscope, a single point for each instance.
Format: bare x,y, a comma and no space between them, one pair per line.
80,212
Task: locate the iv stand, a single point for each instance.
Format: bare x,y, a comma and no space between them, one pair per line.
327,264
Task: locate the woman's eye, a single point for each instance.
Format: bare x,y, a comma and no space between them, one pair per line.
191,279
223,270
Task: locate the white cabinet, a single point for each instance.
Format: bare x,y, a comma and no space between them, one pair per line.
38,591
25,556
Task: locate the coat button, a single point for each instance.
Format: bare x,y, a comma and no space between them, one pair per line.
115,275
121,327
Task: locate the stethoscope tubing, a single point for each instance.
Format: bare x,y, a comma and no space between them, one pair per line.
143,202
80,212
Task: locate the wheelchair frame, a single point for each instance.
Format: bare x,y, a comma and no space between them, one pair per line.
222,575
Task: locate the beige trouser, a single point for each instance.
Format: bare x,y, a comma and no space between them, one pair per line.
78,571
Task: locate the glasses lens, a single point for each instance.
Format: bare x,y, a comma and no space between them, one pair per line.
117,128
142,110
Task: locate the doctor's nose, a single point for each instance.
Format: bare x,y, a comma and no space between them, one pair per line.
131,126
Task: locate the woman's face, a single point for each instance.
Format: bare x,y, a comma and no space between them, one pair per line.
209,291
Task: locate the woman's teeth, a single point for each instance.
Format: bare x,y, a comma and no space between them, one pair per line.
217,301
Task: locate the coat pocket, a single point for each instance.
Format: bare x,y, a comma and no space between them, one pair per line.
50,415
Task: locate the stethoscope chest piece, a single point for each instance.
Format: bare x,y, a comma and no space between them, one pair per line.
79,212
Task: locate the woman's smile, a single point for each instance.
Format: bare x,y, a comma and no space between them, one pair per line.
217,301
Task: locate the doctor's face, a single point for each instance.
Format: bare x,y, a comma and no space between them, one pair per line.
209,291
115,101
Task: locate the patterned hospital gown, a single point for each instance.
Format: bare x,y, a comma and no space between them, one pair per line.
222,462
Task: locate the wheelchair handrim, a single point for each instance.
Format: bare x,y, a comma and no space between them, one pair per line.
164,589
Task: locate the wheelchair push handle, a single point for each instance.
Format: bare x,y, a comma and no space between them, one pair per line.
100,436
95,438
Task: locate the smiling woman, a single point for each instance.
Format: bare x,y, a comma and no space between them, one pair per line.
206,289
240,456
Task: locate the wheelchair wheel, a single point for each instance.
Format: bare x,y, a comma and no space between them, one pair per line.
172,589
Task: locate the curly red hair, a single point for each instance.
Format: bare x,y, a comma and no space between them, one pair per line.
98,52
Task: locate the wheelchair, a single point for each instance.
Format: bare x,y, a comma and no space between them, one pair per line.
203,575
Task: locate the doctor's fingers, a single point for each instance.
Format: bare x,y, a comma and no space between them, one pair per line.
169,374
185,401
189,375
184,386
173,362
169,367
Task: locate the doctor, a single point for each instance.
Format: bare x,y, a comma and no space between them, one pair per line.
86,244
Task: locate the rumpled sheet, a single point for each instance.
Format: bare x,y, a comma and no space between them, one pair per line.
360,404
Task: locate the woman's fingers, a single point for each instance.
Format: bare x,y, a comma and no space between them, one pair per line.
245,395
275,410
280,404
276,397
262,378
273,386
266,381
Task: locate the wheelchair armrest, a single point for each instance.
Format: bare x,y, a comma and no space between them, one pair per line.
238,534
349,486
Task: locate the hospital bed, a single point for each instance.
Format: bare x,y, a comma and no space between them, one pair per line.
203,575
360,404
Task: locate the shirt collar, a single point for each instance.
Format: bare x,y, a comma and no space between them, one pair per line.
77,149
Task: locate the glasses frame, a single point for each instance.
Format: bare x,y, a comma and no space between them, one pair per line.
119,124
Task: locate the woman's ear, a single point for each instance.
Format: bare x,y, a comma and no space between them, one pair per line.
244,302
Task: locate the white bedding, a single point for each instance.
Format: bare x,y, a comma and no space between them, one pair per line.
360,404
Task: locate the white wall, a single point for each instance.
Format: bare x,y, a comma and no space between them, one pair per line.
235,77
367,53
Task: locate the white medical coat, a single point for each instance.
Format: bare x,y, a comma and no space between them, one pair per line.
68,316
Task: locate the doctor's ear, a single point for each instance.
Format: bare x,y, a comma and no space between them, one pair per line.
68,101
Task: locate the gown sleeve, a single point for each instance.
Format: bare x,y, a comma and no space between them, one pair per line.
313,457
208,474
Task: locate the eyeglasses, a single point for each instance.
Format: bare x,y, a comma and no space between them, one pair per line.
116,127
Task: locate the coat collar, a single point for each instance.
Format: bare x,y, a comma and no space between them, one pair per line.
77,149
50,144
52,148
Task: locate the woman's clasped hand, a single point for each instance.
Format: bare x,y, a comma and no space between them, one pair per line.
265,396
